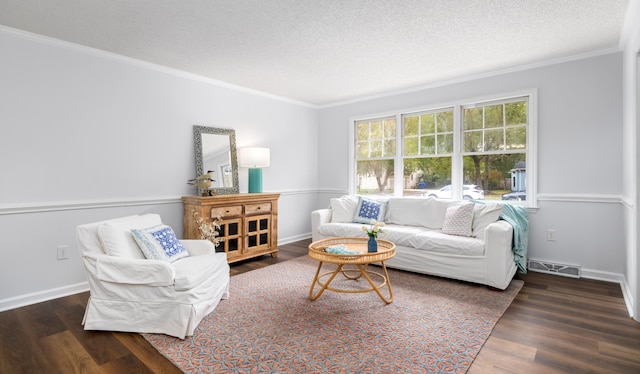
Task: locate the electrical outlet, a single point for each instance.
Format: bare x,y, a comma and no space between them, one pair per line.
63,252
551,235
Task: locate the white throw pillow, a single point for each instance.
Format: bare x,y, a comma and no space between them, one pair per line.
368,209
116,238
159,243
483,216
458,220
343,208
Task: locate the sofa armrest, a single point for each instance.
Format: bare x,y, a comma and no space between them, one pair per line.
197,247
134,271
319,217
498,244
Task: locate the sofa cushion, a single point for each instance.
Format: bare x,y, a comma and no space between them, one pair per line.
426,212
437,209
159,243
341,229
437,241
458,220
411,236
368,209
116,238
484,214
408,211
399,235
343,208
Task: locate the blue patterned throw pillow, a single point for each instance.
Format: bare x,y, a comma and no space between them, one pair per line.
159,243
367,209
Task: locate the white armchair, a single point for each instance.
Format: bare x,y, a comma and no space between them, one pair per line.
129,292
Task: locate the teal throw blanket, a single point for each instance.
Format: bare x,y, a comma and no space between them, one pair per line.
517,216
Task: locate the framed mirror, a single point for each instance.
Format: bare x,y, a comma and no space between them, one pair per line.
216,151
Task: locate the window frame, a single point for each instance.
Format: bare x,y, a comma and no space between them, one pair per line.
458,128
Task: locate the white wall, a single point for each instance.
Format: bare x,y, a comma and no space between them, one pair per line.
580,148
86,136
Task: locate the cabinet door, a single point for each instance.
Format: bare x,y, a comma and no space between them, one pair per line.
257,233
230,235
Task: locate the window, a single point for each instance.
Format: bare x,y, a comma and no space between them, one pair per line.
428,147
375,155
479,150
494,144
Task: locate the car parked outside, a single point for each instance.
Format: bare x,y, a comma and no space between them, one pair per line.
470,192
515,196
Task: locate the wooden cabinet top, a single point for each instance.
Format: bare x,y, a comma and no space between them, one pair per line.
229,199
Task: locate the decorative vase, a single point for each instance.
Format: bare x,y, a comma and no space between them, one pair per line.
372,245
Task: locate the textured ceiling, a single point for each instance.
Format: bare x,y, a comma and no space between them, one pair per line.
327,51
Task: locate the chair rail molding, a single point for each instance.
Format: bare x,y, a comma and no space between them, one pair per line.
584,198
54,206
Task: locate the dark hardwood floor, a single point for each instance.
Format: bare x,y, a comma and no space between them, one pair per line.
555,325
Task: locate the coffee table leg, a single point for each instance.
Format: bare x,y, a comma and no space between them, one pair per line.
313,297
387,281
358,270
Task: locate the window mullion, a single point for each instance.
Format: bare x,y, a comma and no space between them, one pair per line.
504,127
484,127
398,187
456,159
369,141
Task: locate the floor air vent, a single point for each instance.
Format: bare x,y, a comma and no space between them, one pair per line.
558,269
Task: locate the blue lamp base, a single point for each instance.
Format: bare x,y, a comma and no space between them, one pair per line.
255,180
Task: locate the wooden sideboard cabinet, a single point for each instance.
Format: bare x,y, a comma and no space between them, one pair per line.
249,222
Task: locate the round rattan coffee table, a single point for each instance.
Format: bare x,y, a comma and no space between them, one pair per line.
360,260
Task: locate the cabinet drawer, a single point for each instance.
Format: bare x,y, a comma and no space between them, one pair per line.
226,211
257,208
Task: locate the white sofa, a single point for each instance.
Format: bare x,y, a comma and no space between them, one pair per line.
421,229
135,290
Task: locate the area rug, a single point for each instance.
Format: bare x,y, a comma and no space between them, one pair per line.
269,325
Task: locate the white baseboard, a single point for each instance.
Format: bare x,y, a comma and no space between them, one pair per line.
614,278
294,238
46,295
628,300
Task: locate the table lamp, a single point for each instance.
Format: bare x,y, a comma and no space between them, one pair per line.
255,159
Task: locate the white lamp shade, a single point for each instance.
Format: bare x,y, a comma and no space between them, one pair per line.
254,157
